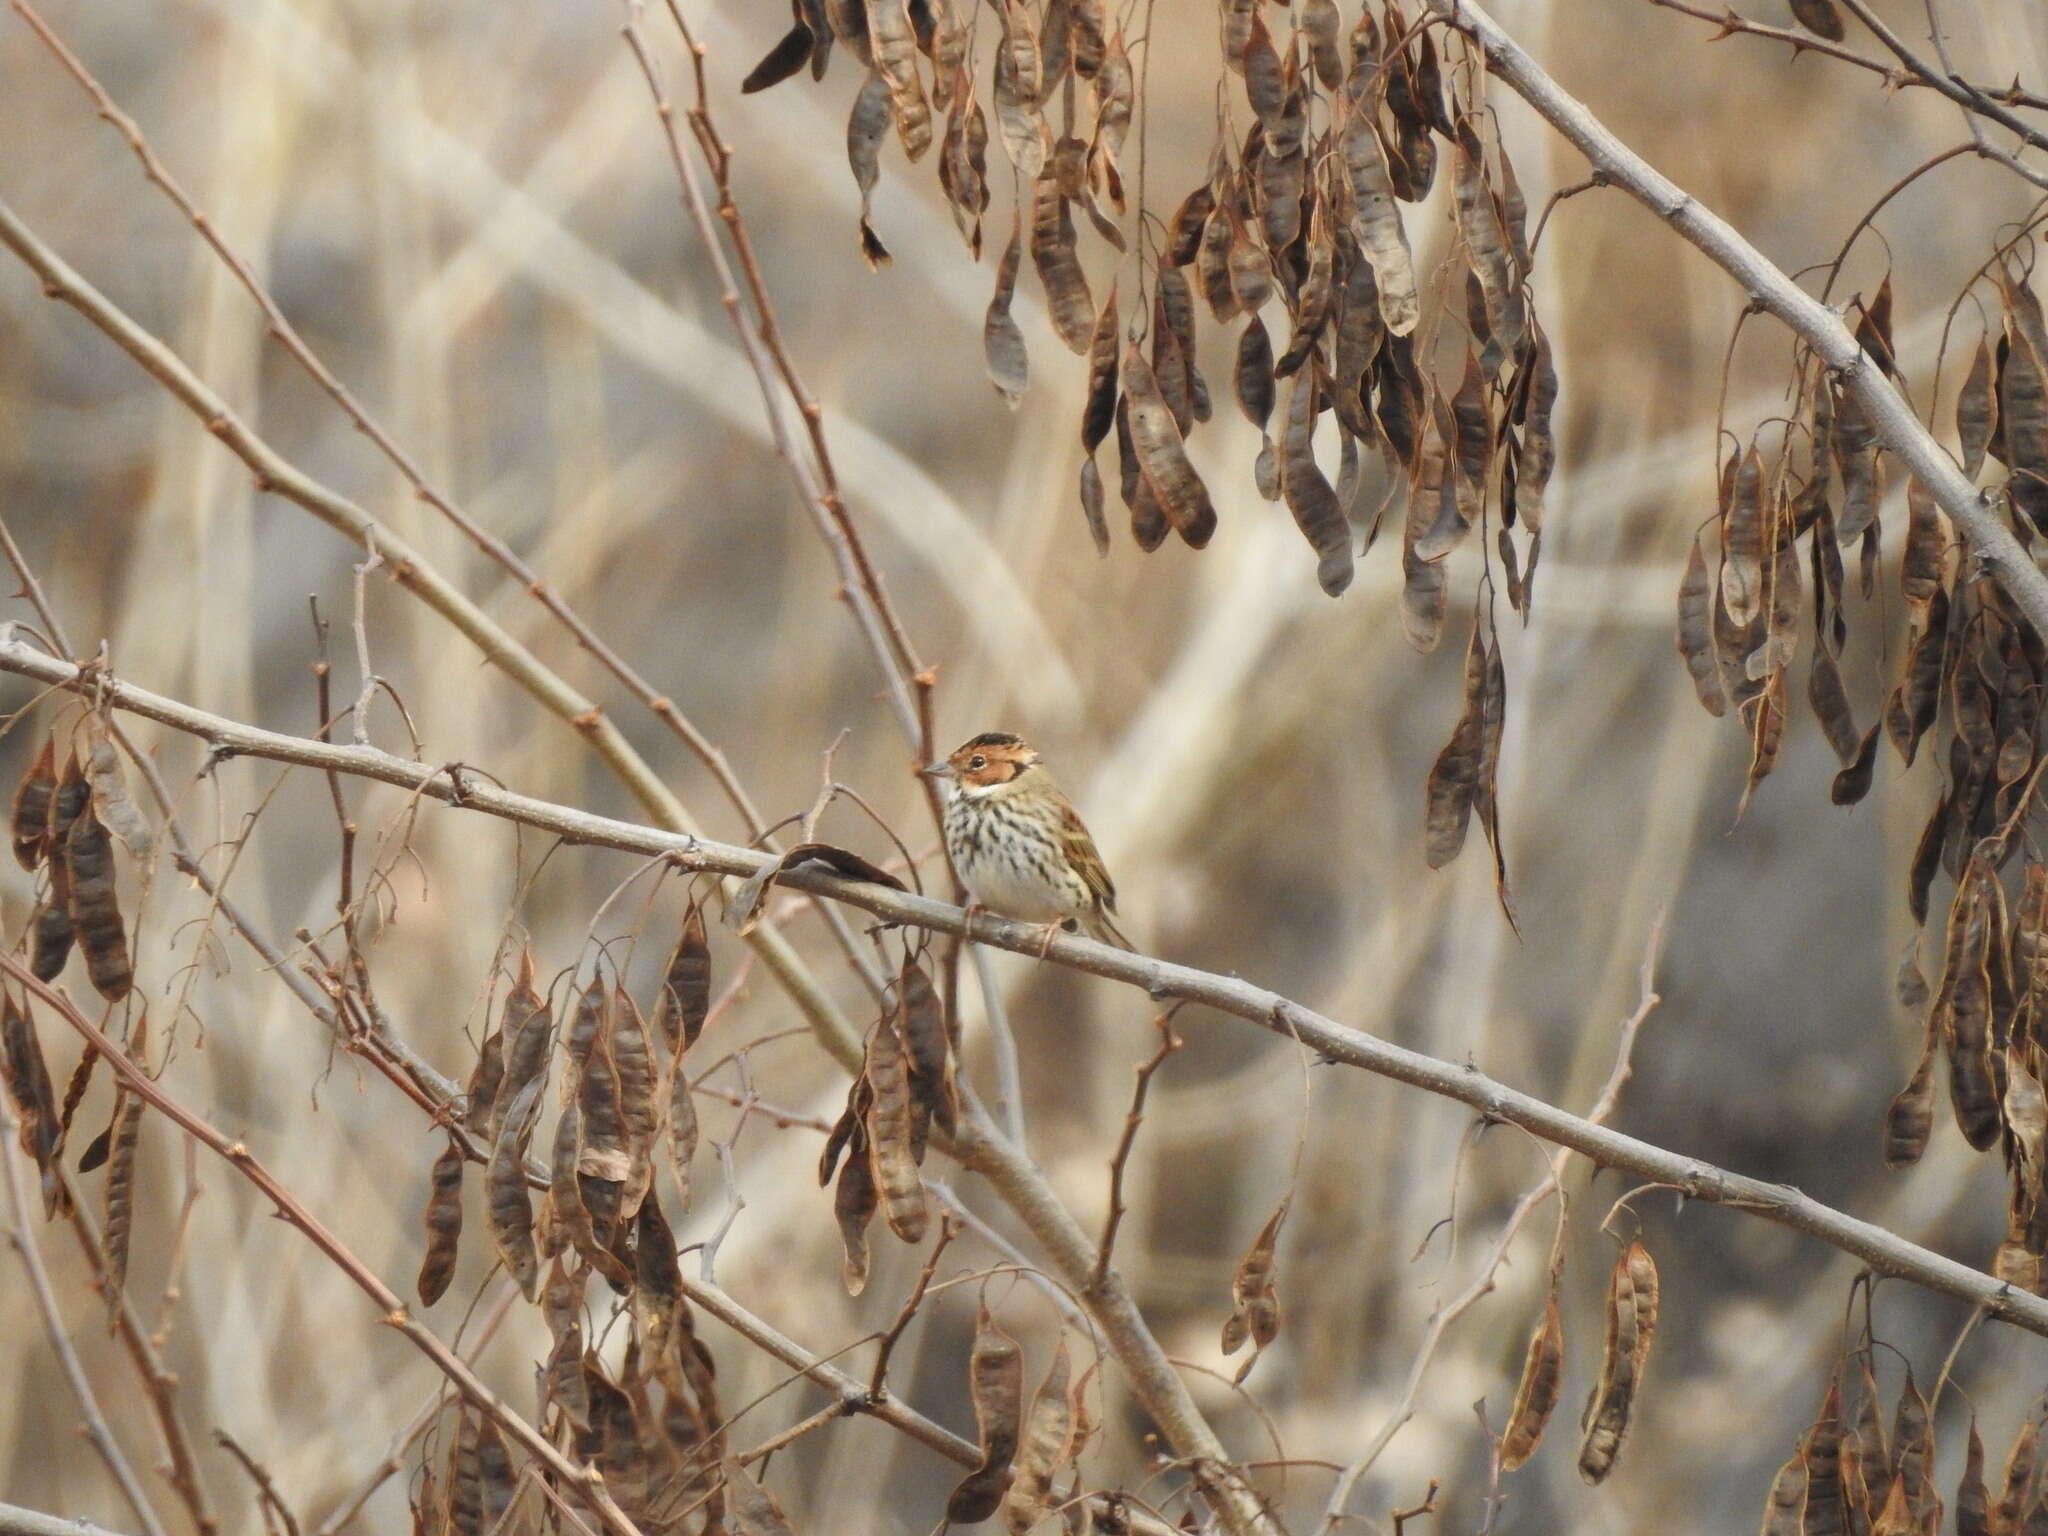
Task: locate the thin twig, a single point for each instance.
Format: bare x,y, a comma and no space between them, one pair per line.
266,1489
1169,1042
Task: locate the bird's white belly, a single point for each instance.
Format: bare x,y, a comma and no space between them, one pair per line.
1008,891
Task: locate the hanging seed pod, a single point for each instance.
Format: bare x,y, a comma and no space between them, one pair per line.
995,1376
443,1219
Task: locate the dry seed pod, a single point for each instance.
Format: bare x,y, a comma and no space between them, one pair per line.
1973,1498
923,1022
895,55
887,1070
95,909
853,1204
110,791
1043,1450
31,815
639,1115
509,1206
1009,366
1317,512
1454,776
864,131
1785,1505
753,1508
526,1031
995,1376
1975,411
1376,223
118,1214
1536,1396
28,1084
1054,254
1819,17
1910,1119
1696,633
1632,1300
1486,246
1742,572
1162,458
682,1130
1255,1312
443,1219
685,998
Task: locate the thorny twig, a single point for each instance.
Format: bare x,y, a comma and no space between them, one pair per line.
878,1380
1169,1042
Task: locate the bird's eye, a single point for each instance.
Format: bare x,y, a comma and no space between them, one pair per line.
977,761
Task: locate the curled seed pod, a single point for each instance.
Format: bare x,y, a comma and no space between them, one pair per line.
1054,254
864,131
31,814
443,1219
922,1019
995,1376
1255,1312
1162,456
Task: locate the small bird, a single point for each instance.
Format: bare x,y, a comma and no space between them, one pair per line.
1019,846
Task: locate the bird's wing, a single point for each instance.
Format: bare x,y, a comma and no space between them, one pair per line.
1081,853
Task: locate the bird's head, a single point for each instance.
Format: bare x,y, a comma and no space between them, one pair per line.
986,762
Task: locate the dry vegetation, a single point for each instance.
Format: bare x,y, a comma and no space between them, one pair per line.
491,1047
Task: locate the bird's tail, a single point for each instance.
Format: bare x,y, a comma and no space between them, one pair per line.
1099,926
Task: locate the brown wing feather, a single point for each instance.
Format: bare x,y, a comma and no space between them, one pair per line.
1083,857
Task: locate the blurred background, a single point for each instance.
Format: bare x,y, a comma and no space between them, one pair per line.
469,213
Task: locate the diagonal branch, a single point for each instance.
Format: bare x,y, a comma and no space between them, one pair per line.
410,570
1884,1251
1770,290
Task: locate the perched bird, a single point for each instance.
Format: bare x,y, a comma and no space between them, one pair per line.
1018,845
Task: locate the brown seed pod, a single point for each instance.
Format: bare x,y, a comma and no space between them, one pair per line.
1009,366
1976,411
1162,457
1043,1450
895,53
1255,1311
28,1084
1632,1302
1696,632
31,814
753,1508
995,1377
95,908
933,1090
1454,777
639,1114
1317,512
118,1214
1536,1395
682,1130
443,1219
509,1206
110,790
853,1204
1376,223
865,129
888,1121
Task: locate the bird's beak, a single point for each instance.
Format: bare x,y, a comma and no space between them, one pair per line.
938,771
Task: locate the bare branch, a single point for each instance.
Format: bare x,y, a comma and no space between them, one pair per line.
1768,288
1886,1252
